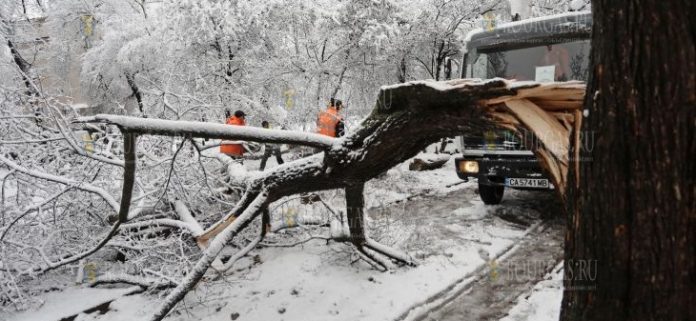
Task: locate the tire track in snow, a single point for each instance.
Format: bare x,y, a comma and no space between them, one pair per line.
519,208
490,291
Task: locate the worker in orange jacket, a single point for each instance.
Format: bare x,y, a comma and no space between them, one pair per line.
330,123
233,150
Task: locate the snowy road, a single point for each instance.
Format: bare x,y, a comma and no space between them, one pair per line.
493,292
489,292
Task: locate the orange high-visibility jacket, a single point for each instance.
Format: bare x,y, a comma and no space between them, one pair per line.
326,124
233,149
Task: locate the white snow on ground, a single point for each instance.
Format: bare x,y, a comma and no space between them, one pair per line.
320,281
58,305
127,308
316,282
399,183
543,303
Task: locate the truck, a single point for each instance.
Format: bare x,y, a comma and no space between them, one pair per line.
543,49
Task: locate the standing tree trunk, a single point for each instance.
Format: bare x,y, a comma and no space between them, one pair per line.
24,67
401,75
632,224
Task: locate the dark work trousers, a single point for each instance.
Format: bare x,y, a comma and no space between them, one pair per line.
269,150
236,158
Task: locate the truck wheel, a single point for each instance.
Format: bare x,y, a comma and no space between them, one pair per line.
491,195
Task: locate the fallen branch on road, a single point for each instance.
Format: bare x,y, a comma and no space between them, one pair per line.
406,118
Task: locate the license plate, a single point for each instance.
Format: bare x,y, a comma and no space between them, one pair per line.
527,182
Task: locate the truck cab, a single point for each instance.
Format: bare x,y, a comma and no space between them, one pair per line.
544,49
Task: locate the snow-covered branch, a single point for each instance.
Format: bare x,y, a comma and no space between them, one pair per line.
189,228
61,124
65,181
145,283
210,130
211,253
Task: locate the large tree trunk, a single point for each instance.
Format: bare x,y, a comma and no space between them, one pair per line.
632,224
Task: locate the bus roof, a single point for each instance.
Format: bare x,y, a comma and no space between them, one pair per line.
532,32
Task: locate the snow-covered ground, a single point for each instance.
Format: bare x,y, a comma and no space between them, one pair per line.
72,301
544,301
431,215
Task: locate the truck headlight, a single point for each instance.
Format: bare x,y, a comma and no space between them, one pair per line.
469,167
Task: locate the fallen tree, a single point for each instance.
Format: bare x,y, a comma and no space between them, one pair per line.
405,119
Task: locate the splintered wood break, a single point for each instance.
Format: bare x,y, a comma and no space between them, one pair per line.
551,113
544,126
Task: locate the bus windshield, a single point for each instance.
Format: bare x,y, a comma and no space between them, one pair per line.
552,62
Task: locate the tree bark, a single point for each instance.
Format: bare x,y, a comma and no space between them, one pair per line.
401,70
355,203
25,68
135,91
632,212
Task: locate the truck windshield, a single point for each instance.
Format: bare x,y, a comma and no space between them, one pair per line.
550,62
546,62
